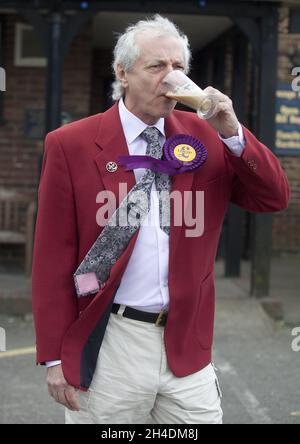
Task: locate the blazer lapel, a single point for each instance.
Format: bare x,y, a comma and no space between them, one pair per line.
112,143
181,182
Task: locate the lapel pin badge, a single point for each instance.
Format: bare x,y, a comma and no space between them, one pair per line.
111,167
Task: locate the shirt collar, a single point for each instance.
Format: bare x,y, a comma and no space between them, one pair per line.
133,126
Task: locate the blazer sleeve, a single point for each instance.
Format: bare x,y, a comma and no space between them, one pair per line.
55,254
259,184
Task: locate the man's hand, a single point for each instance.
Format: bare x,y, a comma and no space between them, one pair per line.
60,390
225,121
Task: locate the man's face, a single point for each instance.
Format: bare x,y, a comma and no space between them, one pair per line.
144,95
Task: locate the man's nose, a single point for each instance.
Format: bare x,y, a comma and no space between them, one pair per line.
170,68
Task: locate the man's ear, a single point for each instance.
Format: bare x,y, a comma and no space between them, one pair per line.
122,76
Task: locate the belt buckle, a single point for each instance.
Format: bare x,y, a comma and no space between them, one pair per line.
162,317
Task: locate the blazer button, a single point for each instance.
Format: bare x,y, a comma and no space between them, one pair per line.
252,165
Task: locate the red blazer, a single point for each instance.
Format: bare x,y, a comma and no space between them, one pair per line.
73,173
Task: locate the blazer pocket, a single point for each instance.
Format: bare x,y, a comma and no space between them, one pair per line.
206,312
216,199
84,302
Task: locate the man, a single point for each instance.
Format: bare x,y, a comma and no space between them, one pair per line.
135,347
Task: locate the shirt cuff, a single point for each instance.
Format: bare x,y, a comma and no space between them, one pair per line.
52,363
236,144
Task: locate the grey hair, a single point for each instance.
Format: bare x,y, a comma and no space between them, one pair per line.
127,52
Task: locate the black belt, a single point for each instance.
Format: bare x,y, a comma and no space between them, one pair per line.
159,319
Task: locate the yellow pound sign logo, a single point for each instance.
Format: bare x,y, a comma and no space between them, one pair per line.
2,340
185,153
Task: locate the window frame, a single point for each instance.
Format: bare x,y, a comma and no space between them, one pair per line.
19,60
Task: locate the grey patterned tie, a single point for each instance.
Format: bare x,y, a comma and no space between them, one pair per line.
163,182
94,270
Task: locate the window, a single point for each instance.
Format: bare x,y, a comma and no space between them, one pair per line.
28,49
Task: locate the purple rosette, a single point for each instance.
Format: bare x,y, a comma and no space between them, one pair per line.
181,153
189,147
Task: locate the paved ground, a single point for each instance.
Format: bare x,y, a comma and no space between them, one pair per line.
284,285
24,399
258,370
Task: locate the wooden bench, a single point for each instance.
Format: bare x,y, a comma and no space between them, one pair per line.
17,220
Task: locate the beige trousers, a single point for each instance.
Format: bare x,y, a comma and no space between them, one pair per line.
133,384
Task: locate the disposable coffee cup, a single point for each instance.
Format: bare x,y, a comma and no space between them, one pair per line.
181,88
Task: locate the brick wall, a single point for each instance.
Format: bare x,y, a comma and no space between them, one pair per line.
25,89
19,155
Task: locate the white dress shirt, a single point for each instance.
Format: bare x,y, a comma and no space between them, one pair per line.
144,284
